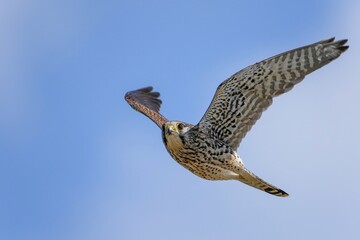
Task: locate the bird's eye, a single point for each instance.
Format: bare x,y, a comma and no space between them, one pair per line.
180,126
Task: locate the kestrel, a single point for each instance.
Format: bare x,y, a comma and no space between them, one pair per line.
208,149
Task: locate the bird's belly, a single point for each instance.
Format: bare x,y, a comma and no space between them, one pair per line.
210,168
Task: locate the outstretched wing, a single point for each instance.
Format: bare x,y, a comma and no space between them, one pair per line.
240,100
148,103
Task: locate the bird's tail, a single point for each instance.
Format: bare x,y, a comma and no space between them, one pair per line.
251,179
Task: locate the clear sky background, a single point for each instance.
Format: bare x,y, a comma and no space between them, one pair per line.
76,162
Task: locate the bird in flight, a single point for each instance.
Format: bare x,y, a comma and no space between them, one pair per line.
208,149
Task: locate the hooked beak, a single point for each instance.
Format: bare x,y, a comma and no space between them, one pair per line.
170,130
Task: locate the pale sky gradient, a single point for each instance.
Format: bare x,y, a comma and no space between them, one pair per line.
76,162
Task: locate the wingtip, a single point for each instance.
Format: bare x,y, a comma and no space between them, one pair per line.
144,96
146,89
329,40
340,44
140,90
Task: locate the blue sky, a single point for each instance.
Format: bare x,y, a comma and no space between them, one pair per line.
76,162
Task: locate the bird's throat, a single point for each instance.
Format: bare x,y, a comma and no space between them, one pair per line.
174,143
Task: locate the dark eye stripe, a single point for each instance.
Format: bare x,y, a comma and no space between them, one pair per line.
163,134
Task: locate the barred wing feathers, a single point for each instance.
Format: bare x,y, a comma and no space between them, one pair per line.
240,100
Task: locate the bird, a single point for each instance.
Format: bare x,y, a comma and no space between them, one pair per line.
209,148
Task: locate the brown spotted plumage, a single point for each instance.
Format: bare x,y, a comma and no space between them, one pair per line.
208,149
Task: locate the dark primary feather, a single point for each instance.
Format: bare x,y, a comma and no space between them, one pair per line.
146,102
146,97
240,100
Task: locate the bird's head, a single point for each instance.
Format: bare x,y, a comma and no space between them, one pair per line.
173,133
